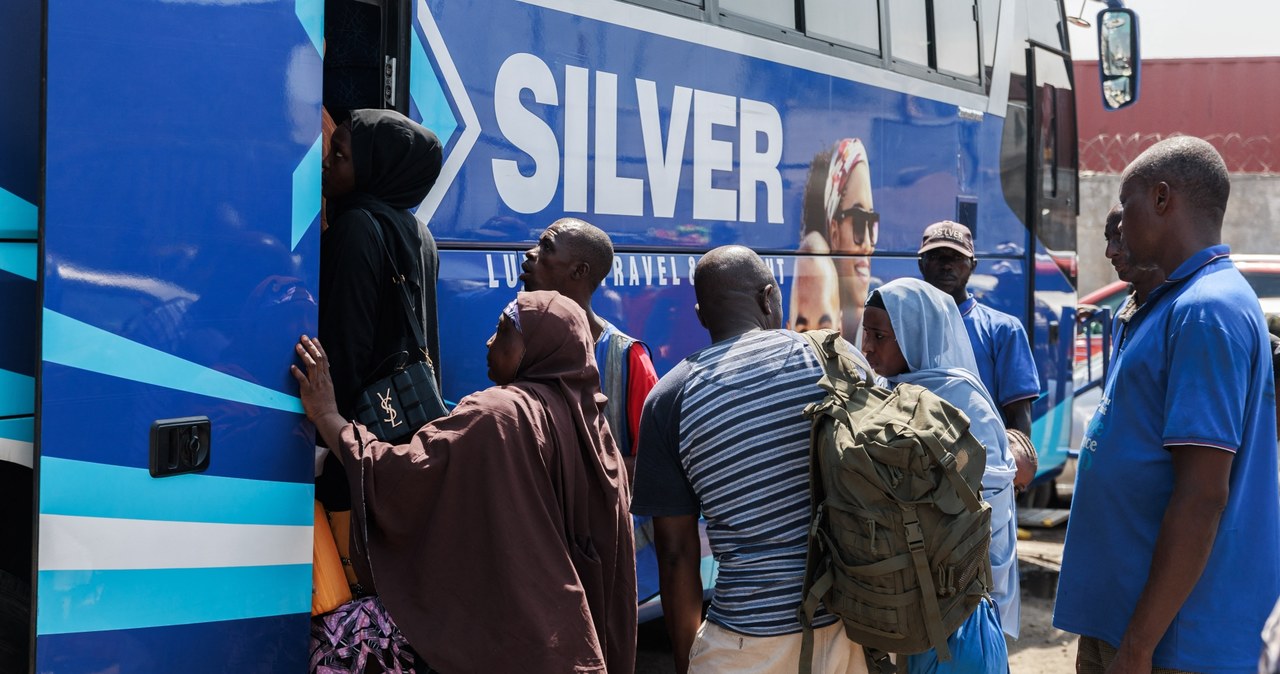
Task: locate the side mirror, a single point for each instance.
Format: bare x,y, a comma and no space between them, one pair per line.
1118,62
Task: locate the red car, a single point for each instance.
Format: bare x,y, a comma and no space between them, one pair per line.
1261,271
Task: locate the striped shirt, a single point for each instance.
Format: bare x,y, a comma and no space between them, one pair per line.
723,434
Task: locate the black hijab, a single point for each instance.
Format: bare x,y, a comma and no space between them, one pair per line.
396,163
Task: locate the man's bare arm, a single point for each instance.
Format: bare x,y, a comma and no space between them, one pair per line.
1201,485
1017,415
679,554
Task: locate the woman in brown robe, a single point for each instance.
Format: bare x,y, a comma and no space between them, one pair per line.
499,536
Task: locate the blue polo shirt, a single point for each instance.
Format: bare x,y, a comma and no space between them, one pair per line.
1005,364
1194,368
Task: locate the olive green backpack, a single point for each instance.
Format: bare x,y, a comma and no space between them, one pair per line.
898,547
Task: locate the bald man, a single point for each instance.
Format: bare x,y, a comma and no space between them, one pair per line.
722,435
573,257
1172,556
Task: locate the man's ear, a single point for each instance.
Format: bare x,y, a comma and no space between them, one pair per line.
697,309
580,271
1160,194
920,264
764,297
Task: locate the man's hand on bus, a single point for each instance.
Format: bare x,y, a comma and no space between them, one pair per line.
315,387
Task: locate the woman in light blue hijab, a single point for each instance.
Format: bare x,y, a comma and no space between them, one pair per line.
914,334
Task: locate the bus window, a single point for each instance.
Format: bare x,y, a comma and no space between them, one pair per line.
956,32
941,35
1045,23
1055,135
770,11
855,23
990,14
909,31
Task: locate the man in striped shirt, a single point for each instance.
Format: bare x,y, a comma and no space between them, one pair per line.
723,435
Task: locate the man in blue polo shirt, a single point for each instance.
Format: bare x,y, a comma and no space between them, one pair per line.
1005,364
1172,557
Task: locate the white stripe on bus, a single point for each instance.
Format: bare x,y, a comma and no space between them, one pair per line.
70,542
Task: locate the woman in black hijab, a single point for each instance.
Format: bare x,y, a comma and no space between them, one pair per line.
380,164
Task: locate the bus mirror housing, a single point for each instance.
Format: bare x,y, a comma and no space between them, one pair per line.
1118,62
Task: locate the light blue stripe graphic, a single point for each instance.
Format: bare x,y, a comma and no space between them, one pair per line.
76,344
311,16
22,430
102,490
94,601
1047,437
18,218
306,191
428,93
18,259
17,393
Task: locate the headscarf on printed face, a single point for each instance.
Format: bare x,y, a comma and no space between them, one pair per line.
849,153
499,537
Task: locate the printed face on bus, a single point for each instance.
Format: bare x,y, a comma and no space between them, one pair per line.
506,350
549,264
853,231
338,174
880,344
815,295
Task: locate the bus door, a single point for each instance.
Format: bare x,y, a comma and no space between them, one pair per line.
19,187
178,253
1053,206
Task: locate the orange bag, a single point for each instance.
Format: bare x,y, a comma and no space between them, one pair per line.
340,521
329,588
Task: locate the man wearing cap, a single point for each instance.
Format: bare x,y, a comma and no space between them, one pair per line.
1000,344
1005,365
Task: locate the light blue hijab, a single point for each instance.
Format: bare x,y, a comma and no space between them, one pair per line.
931,335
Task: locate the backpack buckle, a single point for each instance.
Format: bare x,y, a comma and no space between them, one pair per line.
915,534
947,460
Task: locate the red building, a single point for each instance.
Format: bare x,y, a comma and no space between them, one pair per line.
1231,102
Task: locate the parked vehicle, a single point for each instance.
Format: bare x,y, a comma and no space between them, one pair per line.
1261,271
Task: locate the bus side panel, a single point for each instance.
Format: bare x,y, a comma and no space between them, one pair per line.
588,131
180,232
534,133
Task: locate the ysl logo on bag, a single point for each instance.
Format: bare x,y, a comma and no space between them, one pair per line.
391,411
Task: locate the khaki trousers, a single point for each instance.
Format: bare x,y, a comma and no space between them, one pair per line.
1094,656
717,650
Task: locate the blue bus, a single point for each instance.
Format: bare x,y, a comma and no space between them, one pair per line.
160,219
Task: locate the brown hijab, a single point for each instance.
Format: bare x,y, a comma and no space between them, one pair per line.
499,537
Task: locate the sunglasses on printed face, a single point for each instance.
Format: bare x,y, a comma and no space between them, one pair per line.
866,224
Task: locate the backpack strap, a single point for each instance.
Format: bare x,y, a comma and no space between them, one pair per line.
399,282
928,594
947,461
813,588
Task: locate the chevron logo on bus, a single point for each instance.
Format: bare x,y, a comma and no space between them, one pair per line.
439,101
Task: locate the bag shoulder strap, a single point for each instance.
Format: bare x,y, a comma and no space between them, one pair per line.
839,370
398,281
